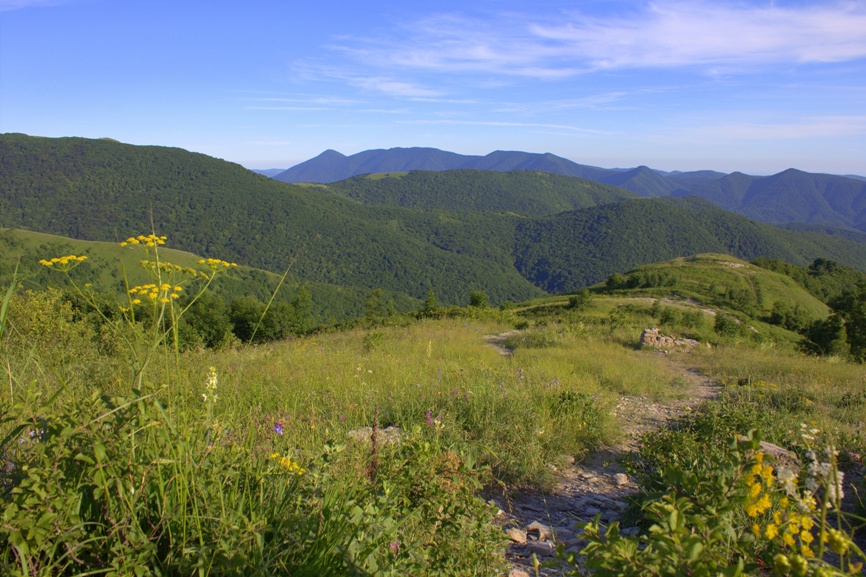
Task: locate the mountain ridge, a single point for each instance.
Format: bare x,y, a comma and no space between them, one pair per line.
99,190
792,196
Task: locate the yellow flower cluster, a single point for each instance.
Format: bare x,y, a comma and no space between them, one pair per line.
760,478
287,464
163,293
149,240
167,267
216,264
63,263
793,528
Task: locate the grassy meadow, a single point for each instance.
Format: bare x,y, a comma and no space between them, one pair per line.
122,455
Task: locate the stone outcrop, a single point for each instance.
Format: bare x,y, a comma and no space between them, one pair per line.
653,338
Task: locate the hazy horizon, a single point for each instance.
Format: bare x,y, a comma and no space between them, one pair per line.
751,86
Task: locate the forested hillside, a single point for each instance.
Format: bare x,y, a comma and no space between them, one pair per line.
570,250
103,190
519,191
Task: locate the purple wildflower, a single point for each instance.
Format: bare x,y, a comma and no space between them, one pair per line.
278,429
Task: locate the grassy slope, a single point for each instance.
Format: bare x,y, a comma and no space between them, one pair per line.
106,260
705,276
101,190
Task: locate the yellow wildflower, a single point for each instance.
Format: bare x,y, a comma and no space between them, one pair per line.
754,491
788,539
767,474
763,503
771,531
289,465
807,523
216,264
756,530
806,537
63,263
806,552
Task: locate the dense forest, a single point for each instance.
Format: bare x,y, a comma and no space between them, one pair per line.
103,190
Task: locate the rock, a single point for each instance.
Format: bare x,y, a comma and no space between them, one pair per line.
653,338
516,535
518,573
781,457
541,548
591,511
563,535
543,531
620,479
384,436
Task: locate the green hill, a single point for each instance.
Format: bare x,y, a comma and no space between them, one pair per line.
567,251
104,191
724,280
521,191
107,260
100,190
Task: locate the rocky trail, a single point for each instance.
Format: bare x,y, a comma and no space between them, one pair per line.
537,522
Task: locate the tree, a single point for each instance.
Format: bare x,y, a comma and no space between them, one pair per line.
303,305
478,299
581,300
829,336
431,304
375,309
207,322
245,315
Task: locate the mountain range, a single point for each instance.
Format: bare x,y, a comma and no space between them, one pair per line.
790,197
513,235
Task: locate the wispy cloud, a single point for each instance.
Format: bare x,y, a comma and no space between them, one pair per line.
663,34
9,5
818,127
505,124
677,33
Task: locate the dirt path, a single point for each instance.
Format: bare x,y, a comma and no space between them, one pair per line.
535,522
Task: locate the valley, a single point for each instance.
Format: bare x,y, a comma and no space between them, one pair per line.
415,373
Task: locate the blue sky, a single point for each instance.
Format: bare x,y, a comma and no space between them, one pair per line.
752,86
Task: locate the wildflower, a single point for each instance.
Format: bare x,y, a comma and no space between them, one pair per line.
838,541
771,531
395,546
287,464
788,479
210,386
278,429
754,491
216,264
63,263
150,240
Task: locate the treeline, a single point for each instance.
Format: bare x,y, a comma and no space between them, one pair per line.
843,333
567,251
521,191
102,190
